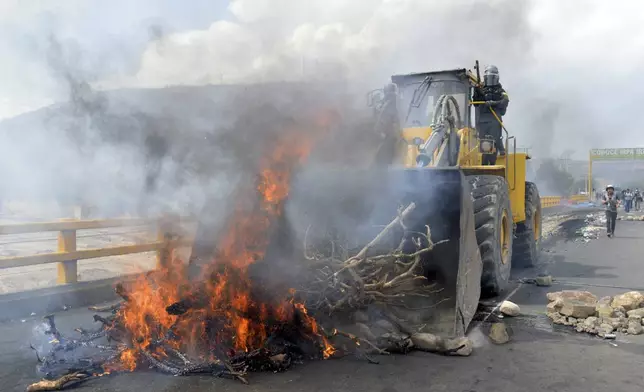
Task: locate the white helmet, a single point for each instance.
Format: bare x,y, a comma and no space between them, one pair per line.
610,187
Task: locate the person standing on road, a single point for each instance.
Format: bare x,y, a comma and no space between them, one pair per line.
637,196
628,200
611,201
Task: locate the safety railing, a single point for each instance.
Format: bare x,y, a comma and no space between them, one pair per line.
550,201
168,237
579,198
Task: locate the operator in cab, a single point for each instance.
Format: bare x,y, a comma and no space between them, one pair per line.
495,98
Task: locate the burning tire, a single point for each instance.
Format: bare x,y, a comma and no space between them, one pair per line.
493,224
528,234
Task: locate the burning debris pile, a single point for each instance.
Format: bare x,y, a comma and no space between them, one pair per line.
598,316
229,322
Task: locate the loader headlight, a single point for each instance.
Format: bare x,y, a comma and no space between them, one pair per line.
418,141
486,146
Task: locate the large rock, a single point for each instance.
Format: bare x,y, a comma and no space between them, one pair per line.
510,308
426,341
555,306
636,312
460,346
577,309
605,329
576,295
499,333
589,325
634,329
605,300
557,318
615,322
544,280
605,311
591,322
629,301
620,312
432,343
603,308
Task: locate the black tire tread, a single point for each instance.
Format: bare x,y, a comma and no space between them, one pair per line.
526,249
489,194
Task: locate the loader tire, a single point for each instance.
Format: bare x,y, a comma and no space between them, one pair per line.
493,224
527,241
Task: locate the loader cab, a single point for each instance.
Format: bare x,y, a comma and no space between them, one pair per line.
417,95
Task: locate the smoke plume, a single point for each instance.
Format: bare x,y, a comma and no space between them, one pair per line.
571,77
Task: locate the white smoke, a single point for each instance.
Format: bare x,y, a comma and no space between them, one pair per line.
572,72
357,41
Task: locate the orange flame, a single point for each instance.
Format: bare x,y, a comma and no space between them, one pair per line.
228,285
313,326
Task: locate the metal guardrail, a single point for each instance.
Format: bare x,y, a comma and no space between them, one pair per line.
167,239
551,201
67,256
579,198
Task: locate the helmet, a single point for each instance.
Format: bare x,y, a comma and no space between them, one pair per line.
610,187
491,75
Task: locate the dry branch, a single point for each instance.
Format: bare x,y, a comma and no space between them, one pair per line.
106,308
59,384
381,278
361,256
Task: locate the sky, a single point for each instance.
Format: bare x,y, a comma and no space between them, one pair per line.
108,38
572,68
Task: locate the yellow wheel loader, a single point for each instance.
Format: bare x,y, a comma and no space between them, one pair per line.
485,218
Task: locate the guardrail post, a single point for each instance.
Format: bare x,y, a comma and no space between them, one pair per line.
67,270
164,235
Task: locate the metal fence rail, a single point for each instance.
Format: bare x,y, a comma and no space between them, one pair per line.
168,238
552,201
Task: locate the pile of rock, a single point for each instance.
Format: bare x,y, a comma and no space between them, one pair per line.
598,316
631,218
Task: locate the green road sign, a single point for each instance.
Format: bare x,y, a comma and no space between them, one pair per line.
610,154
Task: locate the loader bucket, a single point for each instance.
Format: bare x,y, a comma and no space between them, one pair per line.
353,206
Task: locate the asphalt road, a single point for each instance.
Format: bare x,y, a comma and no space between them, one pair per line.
538,358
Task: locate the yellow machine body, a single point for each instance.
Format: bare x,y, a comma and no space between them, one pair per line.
512,167
434,161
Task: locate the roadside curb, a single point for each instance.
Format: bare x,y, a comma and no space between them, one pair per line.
57,298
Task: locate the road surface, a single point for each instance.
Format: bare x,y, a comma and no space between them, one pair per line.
538,358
